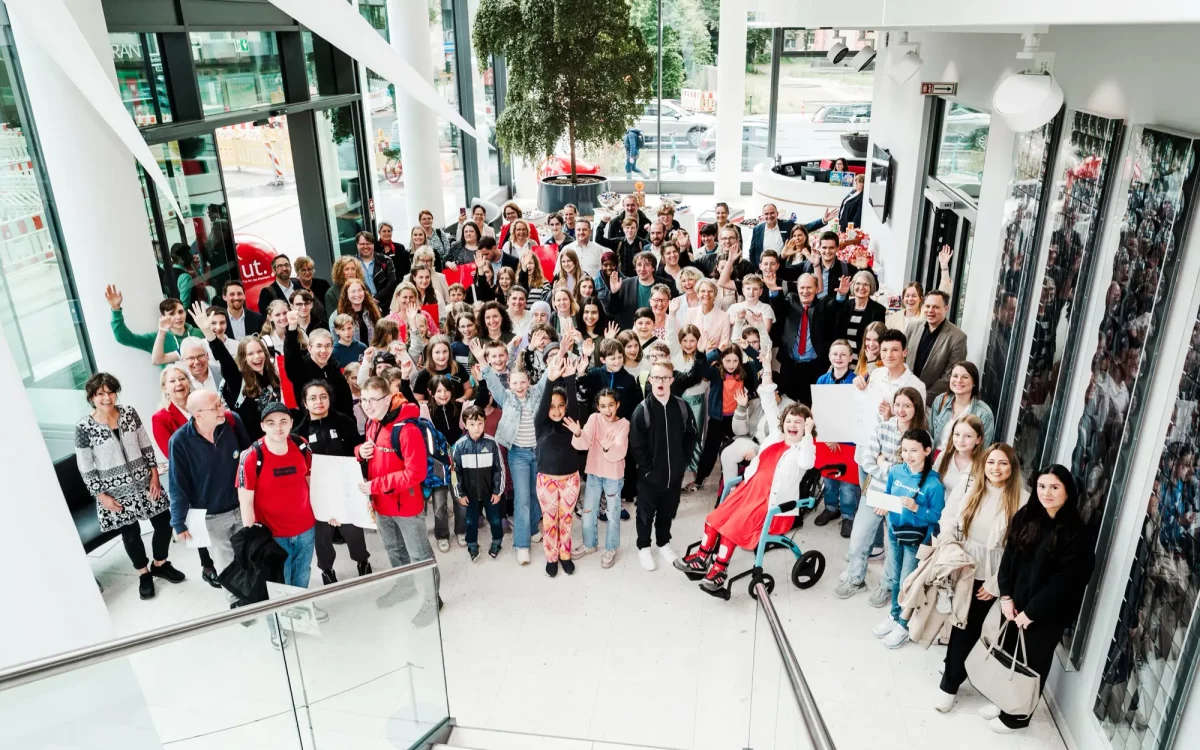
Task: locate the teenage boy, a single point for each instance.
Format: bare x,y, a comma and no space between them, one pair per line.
317,363
884,381
662,431
478,480
396,463
841,498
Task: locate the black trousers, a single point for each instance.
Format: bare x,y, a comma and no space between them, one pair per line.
719,430
160,542
1040,643
962,640
630,487
797,378
206,560
656,507
355,543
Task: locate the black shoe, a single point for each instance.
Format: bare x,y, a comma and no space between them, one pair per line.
624,515
552,569
337,536
568,567
364,569
826,516
146,585
473,551
167,572
494,550
847,527
328,577
603,516
210,577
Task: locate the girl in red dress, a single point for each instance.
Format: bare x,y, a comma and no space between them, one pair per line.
772,478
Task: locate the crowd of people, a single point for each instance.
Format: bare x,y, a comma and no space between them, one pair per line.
501,373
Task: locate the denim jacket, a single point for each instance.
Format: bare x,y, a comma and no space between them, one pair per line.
510,417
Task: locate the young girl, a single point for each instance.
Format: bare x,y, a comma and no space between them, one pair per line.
693,394
464,332
563,317
586,288
591,321
956,464
531,278
643,326
251,380
633,351
505,281
724,383
276,325
868,356
557,461
772,478
445,412
567,275
533,356
924,499
605,437
439,362
356,302
875,458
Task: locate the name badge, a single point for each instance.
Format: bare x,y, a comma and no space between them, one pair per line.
313,438
333,433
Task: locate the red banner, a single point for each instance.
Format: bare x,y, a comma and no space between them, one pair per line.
254,256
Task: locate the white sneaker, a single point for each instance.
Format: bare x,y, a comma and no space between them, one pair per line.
581,551
989,711
897,638
667,555
945,701
536,537
884,627
462,540
999,727
522,556
443,545
646,558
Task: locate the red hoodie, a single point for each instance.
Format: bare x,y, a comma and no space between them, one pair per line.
396,472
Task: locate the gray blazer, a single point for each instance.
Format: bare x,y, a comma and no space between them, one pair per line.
949,349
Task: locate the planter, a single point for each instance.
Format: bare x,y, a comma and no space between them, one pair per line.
553,194
856,144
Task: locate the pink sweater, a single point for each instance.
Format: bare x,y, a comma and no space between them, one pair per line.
610,465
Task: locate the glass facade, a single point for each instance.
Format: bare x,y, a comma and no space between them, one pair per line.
236,69
445,80
140,77
963,144
339,169
38,307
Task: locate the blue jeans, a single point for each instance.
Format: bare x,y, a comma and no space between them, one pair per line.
901,561
611,489
527,513
493,516
867,526
841,496
298,566
631,165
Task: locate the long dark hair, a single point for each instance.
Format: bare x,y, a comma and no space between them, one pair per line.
600,323
921,436
1032,522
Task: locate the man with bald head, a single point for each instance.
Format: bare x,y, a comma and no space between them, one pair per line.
807,334
771,234
204,461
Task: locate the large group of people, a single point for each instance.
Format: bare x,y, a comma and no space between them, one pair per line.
615,361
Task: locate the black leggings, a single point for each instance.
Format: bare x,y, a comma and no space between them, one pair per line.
719,430
962,640
355,543
160,543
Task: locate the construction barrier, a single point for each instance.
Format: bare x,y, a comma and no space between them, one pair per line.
697,100
257,148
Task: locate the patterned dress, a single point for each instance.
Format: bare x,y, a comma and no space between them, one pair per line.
118,463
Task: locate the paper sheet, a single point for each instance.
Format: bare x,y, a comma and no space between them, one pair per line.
335,494
197,528
880,499
842,414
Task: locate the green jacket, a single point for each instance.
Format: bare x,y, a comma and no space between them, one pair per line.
145,341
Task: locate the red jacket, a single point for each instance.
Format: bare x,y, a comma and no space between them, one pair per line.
396,472
166,421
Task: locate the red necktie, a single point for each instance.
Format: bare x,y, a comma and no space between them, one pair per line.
800,347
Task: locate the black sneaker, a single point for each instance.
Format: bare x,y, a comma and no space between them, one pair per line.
211,578
694,566
552,569
146,585
494,550
826,516
624,515
473,551
847,527
364,568
328,577
167,572
603,516
568,567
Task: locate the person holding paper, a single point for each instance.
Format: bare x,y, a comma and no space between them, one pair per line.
913,526
884,382
331,433
875,457
840,498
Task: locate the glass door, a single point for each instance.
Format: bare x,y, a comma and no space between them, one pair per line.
946,226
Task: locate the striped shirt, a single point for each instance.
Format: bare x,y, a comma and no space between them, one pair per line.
525,437
884,440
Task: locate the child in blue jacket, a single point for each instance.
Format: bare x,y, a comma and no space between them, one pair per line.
478,480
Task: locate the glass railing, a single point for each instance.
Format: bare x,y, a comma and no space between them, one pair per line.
354,664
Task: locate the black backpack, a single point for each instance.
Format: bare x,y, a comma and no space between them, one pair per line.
683,413
301,444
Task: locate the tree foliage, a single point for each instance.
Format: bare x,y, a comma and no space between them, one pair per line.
685,37
576,68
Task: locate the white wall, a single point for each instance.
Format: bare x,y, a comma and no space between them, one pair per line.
947,14
1105,70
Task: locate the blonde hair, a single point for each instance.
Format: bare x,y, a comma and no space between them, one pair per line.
1010,499
861,368
162,382
339,269
947,456
535,277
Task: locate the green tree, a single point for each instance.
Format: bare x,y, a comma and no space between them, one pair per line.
685,36
577,68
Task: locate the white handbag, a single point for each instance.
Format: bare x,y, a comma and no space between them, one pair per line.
1004,679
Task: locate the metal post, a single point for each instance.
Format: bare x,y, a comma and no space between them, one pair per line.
773,116
658,136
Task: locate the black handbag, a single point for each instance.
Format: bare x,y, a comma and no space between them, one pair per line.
910,536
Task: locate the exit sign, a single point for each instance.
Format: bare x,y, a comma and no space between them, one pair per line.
939,89
243,45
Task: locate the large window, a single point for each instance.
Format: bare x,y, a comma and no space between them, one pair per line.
445,80
140,77
236,69
339,168
961,148
38,308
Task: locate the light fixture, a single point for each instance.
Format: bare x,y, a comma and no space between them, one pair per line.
1031,98
904,59
837,53
864,57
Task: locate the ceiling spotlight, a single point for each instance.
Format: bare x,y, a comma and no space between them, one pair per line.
1031,98
864,57
837,53
904,59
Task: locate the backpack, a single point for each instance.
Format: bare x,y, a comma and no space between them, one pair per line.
437,453
644,419
641,139
301,445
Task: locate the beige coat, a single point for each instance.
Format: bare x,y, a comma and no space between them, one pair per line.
944,572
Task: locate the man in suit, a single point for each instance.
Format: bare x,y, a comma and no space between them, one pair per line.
770,235
613,228
379,271
489,250
281,288
242,320
935,345
804,347
628,295
829,269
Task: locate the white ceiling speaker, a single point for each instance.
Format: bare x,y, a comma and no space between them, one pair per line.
1031,98
904,59
837,53
864,57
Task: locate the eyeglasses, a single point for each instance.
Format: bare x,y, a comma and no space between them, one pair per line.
196,358
662,378
366,400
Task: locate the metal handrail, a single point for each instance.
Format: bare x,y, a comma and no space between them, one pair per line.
818,733
39,669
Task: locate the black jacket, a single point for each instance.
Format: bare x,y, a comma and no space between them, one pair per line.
662,440
270,293
622,305
254,322
613,229
335,435
621,382
257,559
1047,579
821,320
555,454
851,210
839,269
841,319
478,468
385,278
301,370
398,254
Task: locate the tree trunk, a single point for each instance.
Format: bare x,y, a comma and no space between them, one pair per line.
571,140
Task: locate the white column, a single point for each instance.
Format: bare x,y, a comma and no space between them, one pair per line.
100,207
731,97
408,29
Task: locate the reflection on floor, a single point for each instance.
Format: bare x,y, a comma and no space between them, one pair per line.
618,656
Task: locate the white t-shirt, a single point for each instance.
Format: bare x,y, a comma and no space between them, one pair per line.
589,257
739,309
772,238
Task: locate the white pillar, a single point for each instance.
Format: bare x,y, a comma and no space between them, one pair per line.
100,207
408,29
731,97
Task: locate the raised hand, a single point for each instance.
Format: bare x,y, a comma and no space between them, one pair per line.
538,340
614,282
743,398
202,318
843,286
860,258
476,350
581,366
113,296
293,319
164,322
612,329
808,427
573,426
945,255
831,213
588,348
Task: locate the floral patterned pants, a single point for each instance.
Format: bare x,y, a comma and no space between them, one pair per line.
557,496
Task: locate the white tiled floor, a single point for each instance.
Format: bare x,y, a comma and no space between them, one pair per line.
605,656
